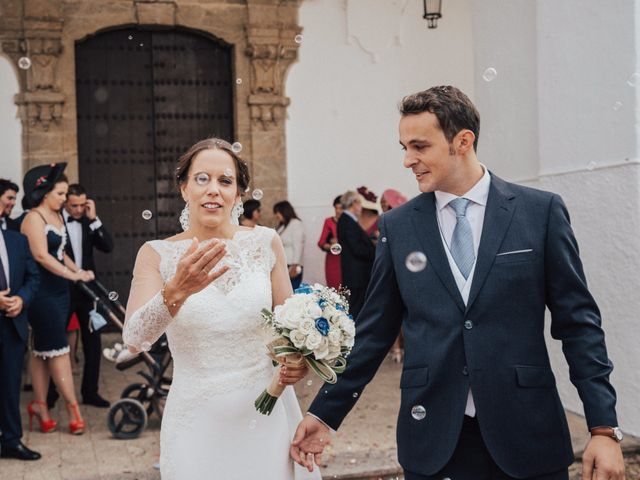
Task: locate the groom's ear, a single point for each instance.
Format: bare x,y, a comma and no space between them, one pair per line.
464,141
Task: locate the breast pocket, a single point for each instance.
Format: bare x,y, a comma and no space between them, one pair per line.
515,256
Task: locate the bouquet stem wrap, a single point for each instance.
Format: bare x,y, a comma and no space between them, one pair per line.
268,398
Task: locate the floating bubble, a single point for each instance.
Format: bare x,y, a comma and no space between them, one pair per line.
130,37
156,466
309,383
145,346
416,262
617,106
236,147
113,296
147,215
490,74
355,394
253,424
102,129
383,239
298,38
101,95
24,63
228,172
634,79
353,461
142,44
418,412
336,249
118,347
238,81
257,194
591,166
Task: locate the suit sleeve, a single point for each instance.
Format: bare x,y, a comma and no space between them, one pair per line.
575,320
31,282
101,238
377,327
357,241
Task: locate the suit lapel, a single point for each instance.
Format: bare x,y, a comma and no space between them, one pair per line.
12,246
497,217
425,222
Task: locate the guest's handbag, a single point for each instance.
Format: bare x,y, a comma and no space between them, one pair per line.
96,321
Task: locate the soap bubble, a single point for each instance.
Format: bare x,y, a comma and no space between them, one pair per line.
418,412
617,105
238,81
634,79
228,172
147,214
145,346
298,38
490,74
253,424
101,94
113,296
355,394
416,262
591,166
24,63
257,194
309,383
236,147
336,249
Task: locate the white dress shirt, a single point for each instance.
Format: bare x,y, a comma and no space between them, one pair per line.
4,255
447,223
74,229
293,241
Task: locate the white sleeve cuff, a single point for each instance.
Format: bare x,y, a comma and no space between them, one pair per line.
96,224
333,432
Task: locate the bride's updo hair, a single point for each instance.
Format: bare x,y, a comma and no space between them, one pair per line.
184,162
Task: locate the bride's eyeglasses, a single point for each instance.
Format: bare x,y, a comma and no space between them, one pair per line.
203,179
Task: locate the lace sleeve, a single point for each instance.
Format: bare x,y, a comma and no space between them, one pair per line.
147,316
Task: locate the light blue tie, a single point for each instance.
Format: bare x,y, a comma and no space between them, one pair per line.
462,240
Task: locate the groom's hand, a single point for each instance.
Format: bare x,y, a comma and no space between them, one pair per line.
309,441
602,459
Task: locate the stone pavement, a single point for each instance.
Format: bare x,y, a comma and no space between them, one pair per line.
363,449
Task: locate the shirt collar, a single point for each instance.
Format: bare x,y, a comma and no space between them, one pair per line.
479,193
352,215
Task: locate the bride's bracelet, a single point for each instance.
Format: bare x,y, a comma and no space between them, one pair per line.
165,301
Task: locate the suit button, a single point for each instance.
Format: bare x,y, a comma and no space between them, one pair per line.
465,371
468,324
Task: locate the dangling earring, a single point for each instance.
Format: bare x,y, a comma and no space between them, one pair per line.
236,211
184,217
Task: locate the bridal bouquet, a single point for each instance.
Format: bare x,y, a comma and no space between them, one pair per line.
313,327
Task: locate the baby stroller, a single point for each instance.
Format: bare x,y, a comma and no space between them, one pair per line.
127,418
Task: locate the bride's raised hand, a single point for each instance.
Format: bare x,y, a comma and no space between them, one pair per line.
195,270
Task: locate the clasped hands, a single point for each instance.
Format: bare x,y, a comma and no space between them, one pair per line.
309,441
11,305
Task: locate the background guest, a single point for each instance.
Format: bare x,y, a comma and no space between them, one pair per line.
8,194
46,189
370,212
391,199
251,215
18,273
291,232
86,233
358,251
329,237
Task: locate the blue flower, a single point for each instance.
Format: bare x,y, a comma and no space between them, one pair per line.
304,288
339,307
322,303
322,325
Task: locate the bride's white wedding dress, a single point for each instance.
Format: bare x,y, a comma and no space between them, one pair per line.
210,428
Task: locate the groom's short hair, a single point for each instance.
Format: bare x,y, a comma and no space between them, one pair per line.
452,108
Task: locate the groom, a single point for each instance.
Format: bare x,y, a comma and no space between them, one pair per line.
479,399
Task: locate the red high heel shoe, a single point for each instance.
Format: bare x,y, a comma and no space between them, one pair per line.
46,426
76,426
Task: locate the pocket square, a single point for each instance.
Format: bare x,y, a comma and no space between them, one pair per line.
515,251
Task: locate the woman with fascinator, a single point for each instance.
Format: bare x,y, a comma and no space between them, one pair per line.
45,190
205,288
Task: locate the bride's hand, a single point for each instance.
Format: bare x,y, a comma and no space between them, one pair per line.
291,374
195,271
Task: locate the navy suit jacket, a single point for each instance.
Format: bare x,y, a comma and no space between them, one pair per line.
24,276
494,345
358,252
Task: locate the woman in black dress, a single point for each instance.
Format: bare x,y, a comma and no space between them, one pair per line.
46,191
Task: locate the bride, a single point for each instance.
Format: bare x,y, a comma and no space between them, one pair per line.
205,288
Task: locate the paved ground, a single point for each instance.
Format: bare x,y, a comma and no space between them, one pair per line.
363,449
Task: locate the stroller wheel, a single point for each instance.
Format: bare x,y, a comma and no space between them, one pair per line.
141,392
127,418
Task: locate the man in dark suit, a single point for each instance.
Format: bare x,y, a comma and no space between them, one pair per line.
358,252
86,232
19,278
8,194
479,400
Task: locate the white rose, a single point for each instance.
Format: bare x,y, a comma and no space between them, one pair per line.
347,325
307,326
313,341
348,341
297,338
322,350
334,352
313,310
335,337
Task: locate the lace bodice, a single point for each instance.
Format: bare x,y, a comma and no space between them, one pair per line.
216,338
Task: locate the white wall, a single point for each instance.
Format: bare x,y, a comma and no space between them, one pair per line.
560,116
357,60
10,128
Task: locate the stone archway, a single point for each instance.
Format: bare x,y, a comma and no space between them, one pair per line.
262,33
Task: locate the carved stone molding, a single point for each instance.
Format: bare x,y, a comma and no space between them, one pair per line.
154,12
40,108
271,51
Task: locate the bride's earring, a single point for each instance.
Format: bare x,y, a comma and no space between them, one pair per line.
236,211
184,217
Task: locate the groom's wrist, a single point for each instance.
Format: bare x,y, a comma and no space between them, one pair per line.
322,422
